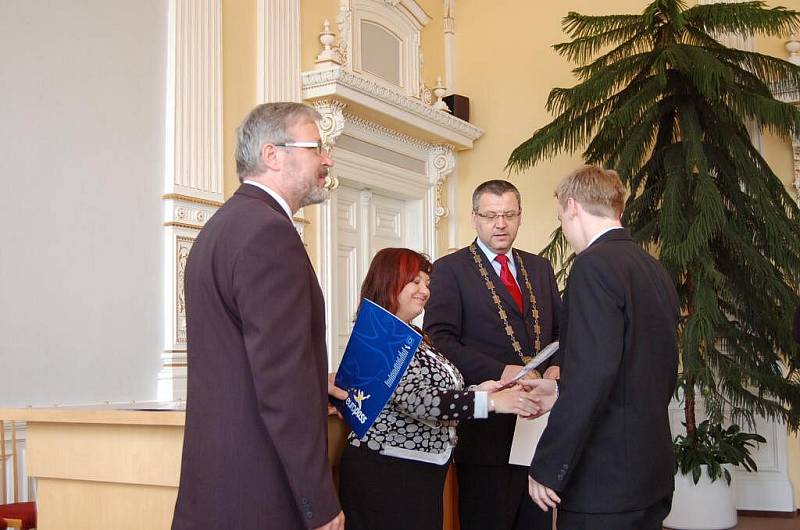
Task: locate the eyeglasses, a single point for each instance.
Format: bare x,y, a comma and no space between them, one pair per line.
494,216
322,149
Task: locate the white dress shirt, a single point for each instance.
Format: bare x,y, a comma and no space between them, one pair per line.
273,194
490,255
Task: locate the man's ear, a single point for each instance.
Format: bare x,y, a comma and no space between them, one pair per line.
270,157
573,207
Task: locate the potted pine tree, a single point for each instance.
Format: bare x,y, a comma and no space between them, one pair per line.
660,99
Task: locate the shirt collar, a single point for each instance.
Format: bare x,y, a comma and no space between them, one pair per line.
607,230
273,194
490,255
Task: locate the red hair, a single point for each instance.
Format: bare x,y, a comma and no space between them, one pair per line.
391,269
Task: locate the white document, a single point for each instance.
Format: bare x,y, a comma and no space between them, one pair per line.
526,437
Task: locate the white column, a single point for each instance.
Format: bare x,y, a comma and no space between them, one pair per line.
331,127
193,178
279,50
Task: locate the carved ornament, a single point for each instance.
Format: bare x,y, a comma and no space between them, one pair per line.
441,162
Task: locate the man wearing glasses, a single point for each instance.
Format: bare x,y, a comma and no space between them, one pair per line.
255,444
492,307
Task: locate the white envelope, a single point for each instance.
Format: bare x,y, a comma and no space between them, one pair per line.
526,437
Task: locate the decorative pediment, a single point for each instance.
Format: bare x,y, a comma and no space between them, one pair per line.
388,107
379,39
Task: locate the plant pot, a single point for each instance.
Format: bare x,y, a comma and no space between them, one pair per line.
703,506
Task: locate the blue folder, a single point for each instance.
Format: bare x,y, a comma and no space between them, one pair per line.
379,350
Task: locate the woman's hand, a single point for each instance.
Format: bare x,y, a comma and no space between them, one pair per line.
335,392
544,393
514,400
489,386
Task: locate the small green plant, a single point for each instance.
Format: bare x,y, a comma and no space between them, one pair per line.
713,445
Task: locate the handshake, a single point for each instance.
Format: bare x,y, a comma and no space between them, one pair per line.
529,396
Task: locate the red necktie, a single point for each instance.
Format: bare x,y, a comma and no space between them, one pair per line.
508,280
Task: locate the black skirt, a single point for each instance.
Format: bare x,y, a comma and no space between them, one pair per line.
387,493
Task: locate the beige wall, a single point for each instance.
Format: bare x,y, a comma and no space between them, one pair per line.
239,53
506,66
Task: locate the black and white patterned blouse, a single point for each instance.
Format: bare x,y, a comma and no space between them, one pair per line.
419,421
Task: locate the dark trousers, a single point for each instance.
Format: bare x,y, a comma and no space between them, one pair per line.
386,493
649,518
496,498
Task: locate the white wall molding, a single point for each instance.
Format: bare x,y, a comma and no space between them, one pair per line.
375,158
278,50
404,25
332,123
441,162
193,182
414,9
361,93
385,137
195,99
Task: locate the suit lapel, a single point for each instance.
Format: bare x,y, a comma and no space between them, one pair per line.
254,192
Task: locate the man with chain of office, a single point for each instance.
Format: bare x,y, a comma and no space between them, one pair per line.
491,308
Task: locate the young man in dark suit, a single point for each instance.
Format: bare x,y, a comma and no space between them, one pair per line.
255,446
606,456
491,307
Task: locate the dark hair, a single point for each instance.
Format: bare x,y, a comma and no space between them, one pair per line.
495,187
391,269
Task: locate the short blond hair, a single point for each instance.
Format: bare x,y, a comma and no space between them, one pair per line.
598,190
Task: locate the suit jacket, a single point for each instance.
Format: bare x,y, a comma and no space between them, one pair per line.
255,446
463,323
607,446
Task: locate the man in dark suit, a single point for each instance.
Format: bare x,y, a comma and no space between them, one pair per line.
491,307
606,454
255,446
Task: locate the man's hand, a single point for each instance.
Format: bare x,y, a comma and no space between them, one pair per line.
336,392
543,496
513,369
337,523
543,391
554,372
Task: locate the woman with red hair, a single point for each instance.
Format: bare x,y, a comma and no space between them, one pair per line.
393,477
